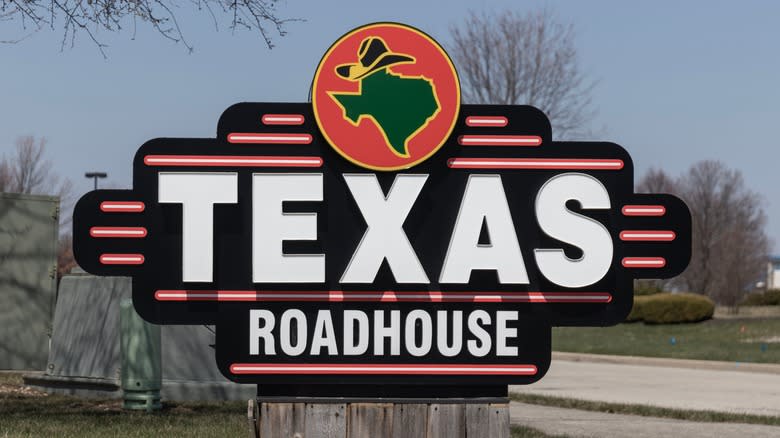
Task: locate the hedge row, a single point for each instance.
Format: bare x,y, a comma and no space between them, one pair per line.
668,308
767,298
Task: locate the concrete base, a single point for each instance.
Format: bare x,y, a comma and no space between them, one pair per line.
172,390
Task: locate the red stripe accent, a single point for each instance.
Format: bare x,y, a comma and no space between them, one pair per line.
535,163
231,161
283,119
268,138
130,259
644,262
120,232
391,369
486,121
122,206
647,236
383,296
499,140
643,210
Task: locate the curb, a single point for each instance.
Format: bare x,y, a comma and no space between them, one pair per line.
749,367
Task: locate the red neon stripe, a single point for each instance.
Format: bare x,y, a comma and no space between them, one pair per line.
120,232
643,210
122,259
499,140
535,163
647,236
383,296
282,119
644,262
483,121
122,206
398,369
268,138
230,161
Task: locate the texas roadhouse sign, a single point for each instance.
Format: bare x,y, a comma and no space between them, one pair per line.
382,235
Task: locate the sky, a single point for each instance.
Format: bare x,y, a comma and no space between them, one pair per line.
677,82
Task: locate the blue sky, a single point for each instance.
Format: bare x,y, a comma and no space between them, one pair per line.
678,82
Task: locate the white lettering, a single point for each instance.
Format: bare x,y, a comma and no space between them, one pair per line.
197,193
484,201
352,348
581,231
503,332
256,332
324,335
271,226
300,332
426,336
482,345
457,333
381,332
385,237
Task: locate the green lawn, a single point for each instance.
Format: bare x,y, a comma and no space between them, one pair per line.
733,340
644,410
28,413
25,413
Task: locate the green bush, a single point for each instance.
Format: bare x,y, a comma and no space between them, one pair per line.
766,298
637,312
668,308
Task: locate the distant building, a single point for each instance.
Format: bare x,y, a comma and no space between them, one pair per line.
773,273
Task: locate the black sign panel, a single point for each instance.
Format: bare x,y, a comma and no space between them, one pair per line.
332,245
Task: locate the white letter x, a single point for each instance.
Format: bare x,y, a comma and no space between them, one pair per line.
385,237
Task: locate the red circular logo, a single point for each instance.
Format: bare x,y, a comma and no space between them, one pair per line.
386,96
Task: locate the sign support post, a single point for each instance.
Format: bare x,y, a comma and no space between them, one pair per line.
461,419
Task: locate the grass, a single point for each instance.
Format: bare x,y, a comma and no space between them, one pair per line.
28,413
645,411
732,340
528,432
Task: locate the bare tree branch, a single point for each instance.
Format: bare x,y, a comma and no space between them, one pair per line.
29,171
510,58
91,17
730,246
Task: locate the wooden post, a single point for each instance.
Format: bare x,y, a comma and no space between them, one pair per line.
380,420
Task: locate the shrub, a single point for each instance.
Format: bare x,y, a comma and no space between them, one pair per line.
668,308
766,298
637,312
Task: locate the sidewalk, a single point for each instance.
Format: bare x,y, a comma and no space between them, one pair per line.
662,382
576,423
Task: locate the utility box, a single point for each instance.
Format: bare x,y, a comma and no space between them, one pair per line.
141,367
29,227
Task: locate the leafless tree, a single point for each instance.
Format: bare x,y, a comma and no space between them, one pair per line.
513,58
29,171
65,259
730,246
656,181
93,16
5,175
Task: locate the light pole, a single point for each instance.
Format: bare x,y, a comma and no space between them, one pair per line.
96,176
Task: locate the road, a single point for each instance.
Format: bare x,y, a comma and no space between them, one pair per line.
662,383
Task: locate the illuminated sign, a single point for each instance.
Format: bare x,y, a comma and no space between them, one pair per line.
383,233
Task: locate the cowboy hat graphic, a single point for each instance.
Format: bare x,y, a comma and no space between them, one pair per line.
373,55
